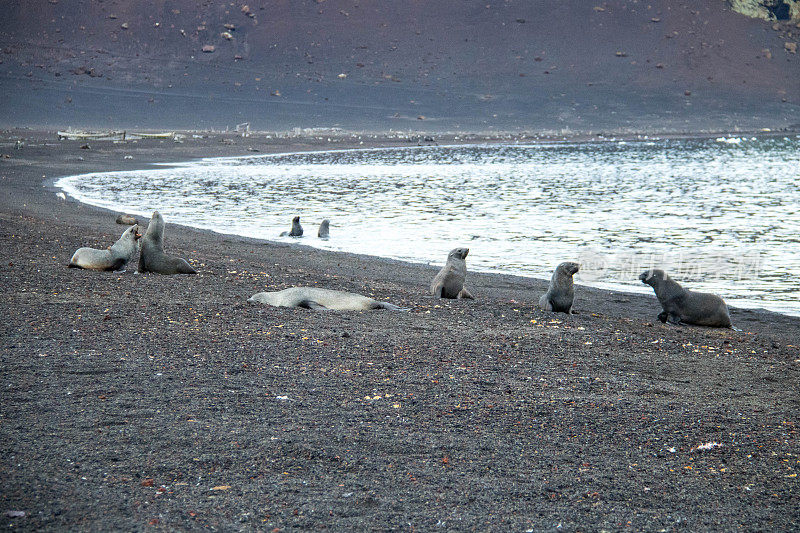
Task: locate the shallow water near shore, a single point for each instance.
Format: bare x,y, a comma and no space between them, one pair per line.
720,215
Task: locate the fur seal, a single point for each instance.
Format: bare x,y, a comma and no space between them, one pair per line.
297,229
449,282
682,306
127,220
561,292
324,229
114,257
321,300
152,257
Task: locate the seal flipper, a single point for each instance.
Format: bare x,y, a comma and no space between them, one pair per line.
662,316
118,264
675,318
311,304
182,266
390,307
464,294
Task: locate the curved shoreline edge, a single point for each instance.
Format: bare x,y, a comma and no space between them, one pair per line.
614,287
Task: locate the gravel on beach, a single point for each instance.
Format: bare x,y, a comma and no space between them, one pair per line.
130,401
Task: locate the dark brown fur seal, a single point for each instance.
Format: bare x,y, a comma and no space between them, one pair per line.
152,257
297,229
561,293
321,300
114,257
324,229
449,282
682,306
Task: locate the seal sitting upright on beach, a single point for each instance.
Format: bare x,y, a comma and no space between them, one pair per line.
561,292
152,257
321,300
113,258
683,306
449,282
297,229
324,229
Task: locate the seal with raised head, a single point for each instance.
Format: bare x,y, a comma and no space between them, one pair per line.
449,282
321,300
324,229
127,220
114,257
297,229
682,306
152,257
561,293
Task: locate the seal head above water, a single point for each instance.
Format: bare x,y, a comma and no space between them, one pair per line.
297,229
324,229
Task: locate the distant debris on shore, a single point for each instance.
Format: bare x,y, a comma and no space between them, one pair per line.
79,135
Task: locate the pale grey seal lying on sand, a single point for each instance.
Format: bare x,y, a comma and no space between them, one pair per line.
113,258
561,292
152,257
683,306
128,220
297,229
324,229
449,282
321,300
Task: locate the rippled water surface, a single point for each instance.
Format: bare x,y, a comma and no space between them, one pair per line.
719,215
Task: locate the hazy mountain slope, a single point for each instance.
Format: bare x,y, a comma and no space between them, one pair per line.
367,64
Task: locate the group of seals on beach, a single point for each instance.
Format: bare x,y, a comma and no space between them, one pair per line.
680,306
152,257
297,229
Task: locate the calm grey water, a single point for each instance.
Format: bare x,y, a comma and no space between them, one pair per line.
720,215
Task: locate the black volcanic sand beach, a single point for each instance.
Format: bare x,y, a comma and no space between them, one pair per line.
134,401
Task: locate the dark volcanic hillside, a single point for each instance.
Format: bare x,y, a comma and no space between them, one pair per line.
365,64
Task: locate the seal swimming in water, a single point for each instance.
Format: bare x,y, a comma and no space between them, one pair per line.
449,282
152,257
561,293
321,300
297,229
682,306
324,229
114,257
128,220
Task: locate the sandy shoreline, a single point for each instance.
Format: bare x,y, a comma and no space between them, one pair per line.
135,400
